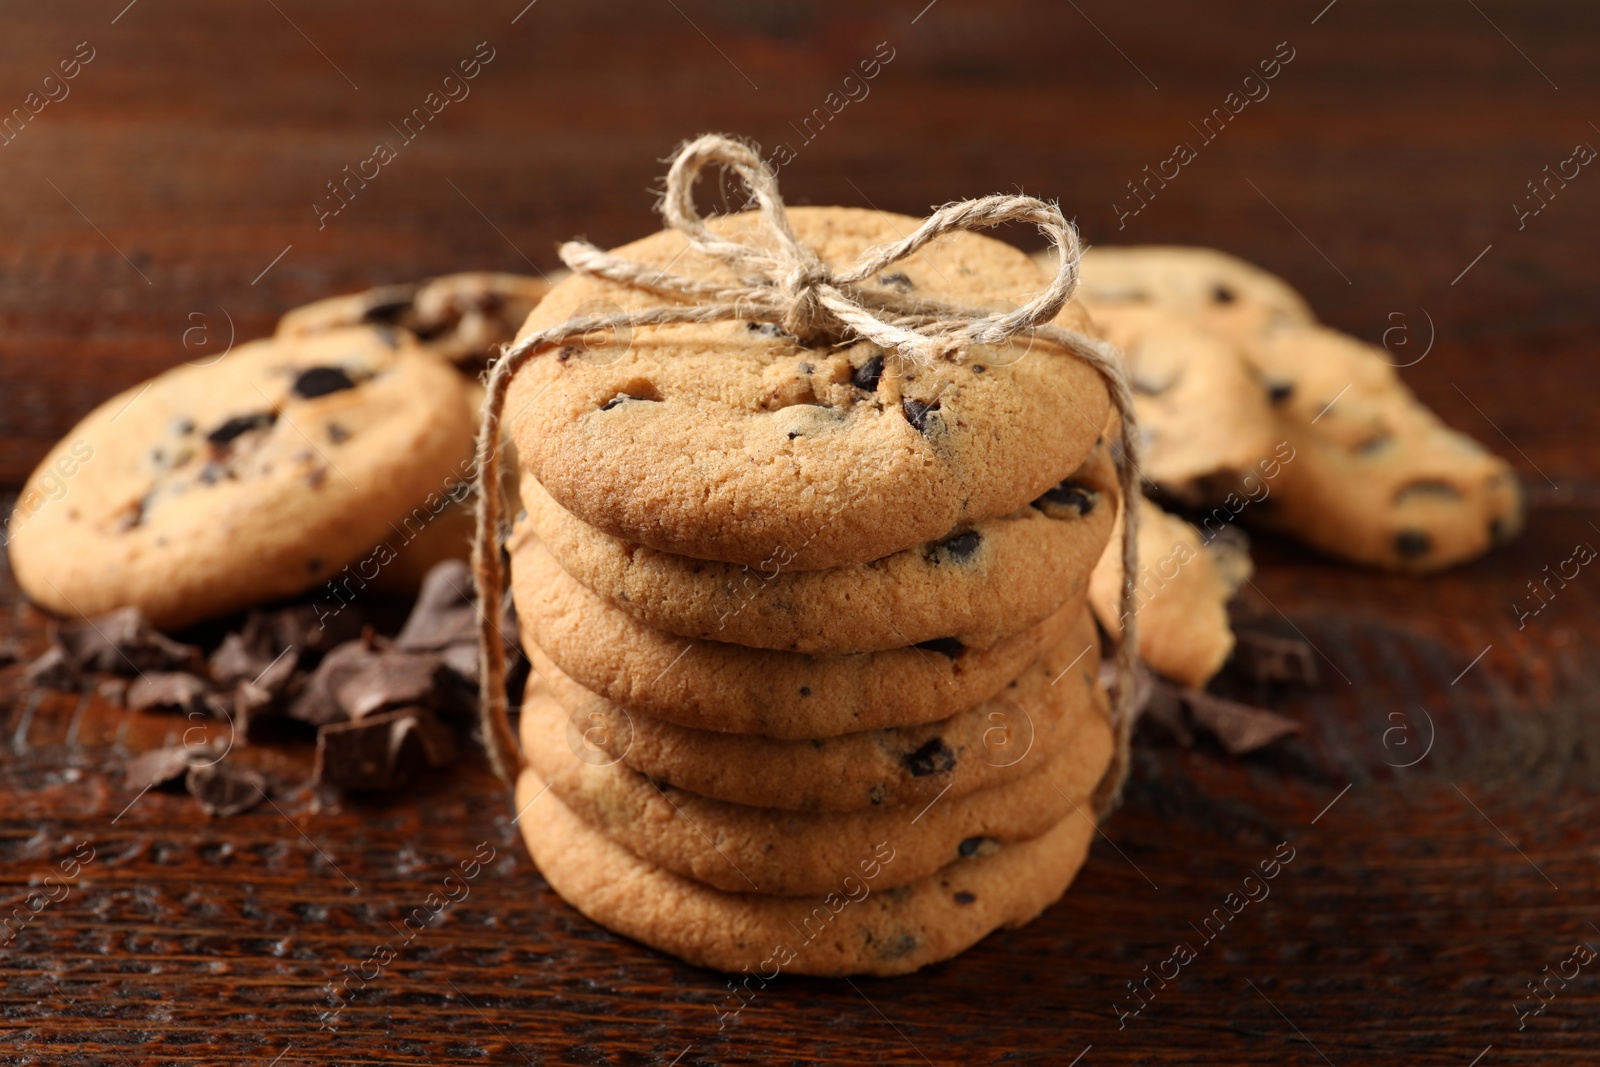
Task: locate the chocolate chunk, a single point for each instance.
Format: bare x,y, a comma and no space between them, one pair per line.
337,434
1239,728
1221,294
388,304
169,691
1412,544
224,435
897,280
225,789
932,758
446,611
320,381
945,646
155,768
121,642
980,845
317,703
916,413
867,376
1265,658
1278,392
957,549
964,897
805,690
1067,497
766,329
381,751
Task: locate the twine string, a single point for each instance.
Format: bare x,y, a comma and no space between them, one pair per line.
781,280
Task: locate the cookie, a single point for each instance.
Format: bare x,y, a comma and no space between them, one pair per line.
1225,294
209,489
741,848
976,585
1182,595
1008,737
463,318
730,441
1205,417
856,927
709,685
1376,477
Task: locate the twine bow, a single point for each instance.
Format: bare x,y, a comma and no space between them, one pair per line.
783,281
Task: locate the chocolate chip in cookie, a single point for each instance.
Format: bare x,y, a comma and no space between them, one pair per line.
320,381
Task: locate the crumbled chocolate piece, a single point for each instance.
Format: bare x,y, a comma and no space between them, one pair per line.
917,412
934,757
1265,658
337,434
1412,544
381,751
225,434
1221,294
1239,728
121,642
945,646
446,611
765,329
155,768
1278,392
958,548
225,789
964,897
1068,497
897,280
320,381
169,691
389,679
317,703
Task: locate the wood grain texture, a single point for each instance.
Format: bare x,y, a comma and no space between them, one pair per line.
187,157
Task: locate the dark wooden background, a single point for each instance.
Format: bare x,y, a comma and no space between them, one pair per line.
160,194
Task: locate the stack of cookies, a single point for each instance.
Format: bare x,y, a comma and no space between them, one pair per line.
815,682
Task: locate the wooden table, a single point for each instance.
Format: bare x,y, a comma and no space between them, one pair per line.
166,204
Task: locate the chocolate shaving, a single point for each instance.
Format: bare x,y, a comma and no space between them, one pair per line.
157,767
120,642
446,611
381,751
225,789
1238,728
1262,657
1180,712
169,691
390,679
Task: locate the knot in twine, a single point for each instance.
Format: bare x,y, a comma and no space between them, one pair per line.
783,281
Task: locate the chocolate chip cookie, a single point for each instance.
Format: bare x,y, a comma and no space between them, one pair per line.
975,585
710,685
1377,477
855,927
740,848
1010,736
730,441
208,489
